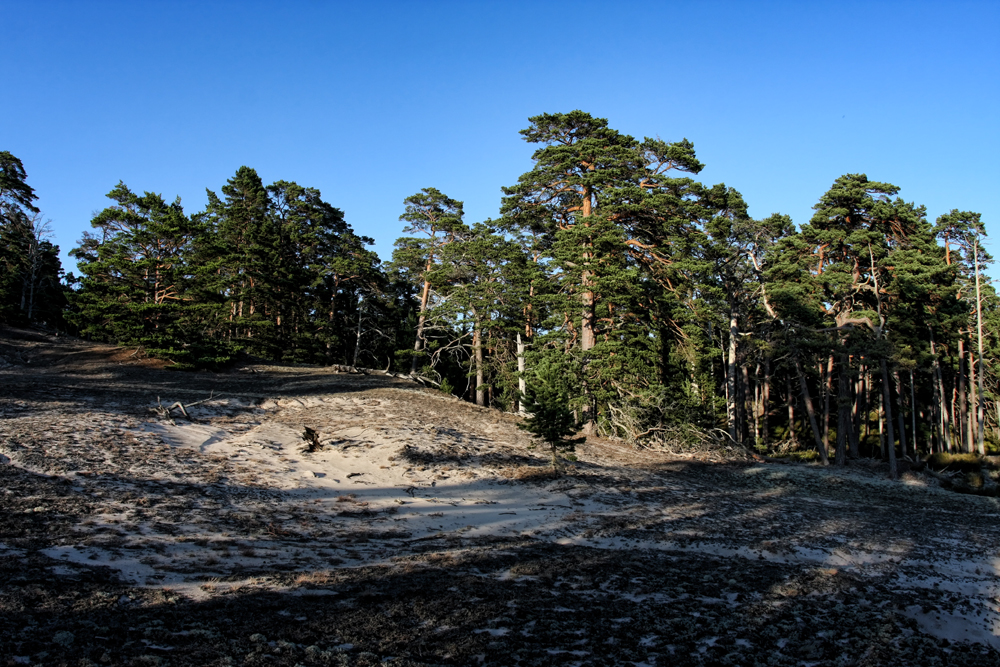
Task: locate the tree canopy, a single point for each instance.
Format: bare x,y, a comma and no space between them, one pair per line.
614,292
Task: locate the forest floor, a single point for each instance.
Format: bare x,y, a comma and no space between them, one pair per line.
422,532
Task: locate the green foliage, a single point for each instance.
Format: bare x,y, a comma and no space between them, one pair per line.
971,463
273,272
551,419
30,272
638,302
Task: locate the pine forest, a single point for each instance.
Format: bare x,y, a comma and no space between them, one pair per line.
652,307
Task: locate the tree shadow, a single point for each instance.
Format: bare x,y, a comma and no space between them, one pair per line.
659,587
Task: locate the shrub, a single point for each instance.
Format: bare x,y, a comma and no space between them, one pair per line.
955,462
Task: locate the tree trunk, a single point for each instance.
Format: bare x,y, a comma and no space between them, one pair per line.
913,416
418,344
791,409
962,418
971,430
35,260
756,405
827,390
477,346
843,410
853,443
765,402
887,400
901,415
522,384
357,337
843,403
856,414
881,427
745,404
587,321
942,398
954,415
981,414
731,379
804,386
934,419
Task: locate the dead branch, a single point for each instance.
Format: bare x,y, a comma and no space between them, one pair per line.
164,411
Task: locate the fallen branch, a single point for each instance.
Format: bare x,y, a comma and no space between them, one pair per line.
164,411
204,400
423,380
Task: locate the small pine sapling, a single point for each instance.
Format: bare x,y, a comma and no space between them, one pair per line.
551,420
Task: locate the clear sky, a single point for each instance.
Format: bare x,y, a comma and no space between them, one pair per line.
370,102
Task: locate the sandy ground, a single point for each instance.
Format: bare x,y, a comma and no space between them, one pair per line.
420,532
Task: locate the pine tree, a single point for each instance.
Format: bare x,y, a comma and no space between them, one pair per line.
135,283
965,230
30,271
440,218
589,196
243,239
548,402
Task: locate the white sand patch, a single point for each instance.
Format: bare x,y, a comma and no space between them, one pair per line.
6,551
385,484
194,436
972,626
127,565
474,503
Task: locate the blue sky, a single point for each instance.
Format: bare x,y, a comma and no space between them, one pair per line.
372,103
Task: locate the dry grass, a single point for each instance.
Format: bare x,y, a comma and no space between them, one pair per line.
318,578
532,473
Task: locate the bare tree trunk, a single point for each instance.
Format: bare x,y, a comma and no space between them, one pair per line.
843,410
942,398
901,416
972,402
856,412
827,390
791,408
731,378
887,400
766,402
522,385
418,344
955,416
811,412
913,415
34,257
745,406
853,444
588,317
846,444
934,419
756,405
981,413
962,420
881,427
866,379
477,345
357,337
